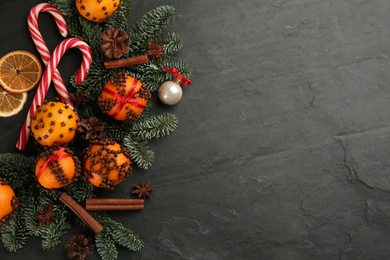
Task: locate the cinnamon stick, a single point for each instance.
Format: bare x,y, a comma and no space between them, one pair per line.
95,226
114,204
113,207
113,201
115,64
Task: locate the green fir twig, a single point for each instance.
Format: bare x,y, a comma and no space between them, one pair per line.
18,169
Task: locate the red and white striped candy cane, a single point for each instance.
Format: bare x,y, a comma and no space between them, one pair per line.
48,76
40,44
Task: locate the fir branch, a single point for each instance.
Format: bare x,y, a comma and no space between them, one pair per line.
16,168
154,82
171,43
51,235
153,74
180,65
29,212
29,199
120,18
146,112
46,197
149,27
81,190
15,234
123,236
90,33
98,76
64,6
140,152
157,76
134,136
117,131
117,20
126,8
113,129
154,126
105,246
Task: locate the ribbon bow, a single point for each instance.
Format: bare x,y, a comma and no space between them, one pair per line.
186,81
129,98
56,156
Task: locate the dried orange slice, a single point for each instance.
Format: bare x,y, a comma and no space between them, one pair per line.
11,103
20,71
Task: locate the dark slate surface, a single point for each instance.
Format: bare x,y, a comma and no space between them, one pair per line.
283,146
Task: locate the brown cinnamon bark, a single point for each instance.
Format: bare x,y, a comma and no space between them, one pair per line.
114,204
95,226
115,64
113,207
113,201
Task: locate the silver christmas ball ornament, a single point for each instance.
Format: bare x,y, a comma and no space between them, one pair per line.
170,92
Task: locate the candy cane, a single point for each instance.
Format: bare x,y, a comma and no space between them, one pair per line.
40,44
48,76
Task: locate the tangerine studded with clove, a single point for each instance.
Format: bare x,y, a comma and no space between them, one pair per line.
106,164
124,98
8,201
54,123
57,168
97,10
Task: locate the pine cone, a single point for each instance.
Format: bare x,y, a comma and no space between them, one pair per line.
79,247
115,43
91,128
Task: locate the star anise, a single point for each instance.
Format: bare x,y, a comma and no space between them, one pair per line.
91,128
78,98
46,216
79,247
154,50
143,190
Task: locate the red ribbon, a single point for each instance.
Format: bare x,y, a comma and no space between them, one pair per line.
127,99
186,81
56,156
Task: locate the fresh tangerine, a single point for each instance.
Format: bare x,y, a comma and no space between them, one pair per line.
8,201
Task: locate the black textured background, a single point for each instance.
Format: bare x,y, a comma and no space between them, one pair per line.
282,150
